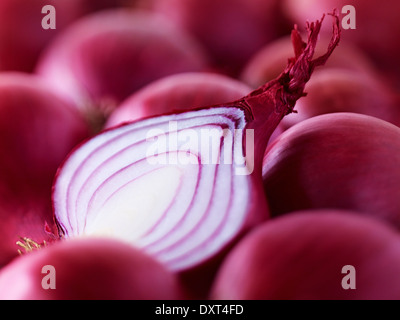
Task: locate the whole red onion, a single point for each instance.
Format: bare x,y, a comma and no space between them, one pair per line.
319,255
376,27
88,269
339,160
37,130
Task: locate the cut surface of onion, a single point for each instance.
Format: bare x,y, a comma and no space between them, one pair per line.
182,186
118,186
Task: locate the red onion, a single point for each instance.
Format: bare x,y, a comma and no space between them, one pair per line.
87,269
313,255
268,62
22,37
231,30
182,186
140,48
340,160
37,130
339,90
183,91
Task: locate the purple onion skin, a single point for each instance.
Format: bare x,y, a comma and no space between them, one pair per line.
341,160
301,256
89,269
37,131
376,27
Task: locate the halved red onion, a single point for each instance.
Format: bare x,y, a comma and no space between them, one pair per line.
182,186
22,37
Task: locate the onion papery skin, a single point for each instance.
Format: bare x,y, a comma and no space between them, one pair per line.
37,131
185,91
341,161
301,256
161,185
141,47
88,269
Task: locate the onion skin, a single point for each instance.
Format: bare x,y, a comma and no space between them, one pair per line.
231,30
341,160
183,91
37,130
300,256
141,47
89,269
338,90
217,206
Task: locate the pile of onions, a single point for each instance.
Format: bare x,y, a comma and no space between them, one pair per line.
37,130
88,269
320,254
340,160
185,186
